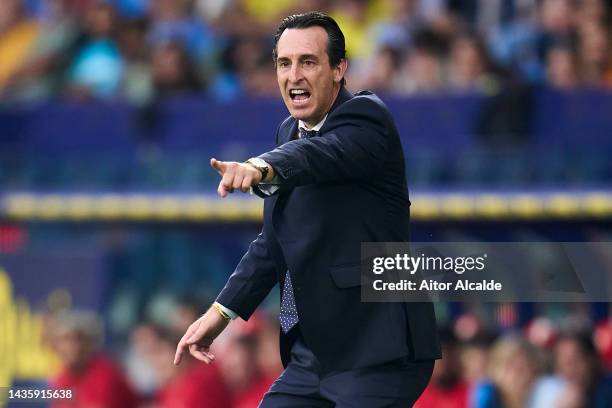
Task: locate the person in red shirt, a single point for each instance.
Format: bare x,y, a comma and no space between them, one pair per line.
192,385
447,389
239,362
94,379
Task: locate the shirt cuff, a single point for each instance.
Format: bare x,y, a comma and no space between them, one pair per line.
227,311
271,186
268,189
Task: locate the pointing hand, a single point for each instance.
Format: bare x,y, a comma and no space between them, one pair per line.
235,176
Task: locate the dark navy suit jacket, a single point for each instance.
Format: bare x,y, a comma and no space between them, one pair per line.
343,187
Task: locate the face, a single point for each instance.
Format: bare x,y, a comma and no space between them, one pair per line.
308,84
72,349
474,363
100,20
467,59
560,69
239,364
571,363
167,65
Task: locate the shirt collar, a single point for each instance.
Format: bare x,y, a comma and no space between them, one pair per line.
316,127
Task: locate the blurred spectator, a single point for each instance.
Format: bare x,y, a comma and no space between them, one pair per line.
192,384
396,31
303,6
445,22
447,387
185,312
142,343
541,332
223,46
212,10
392,36
133,9
561,68
235,21
523,43
514,366
98,66
261,81
357,20
557,19
137,86
172,70
592,11
475,359
18,35
383,66
422,72
602,337
268,12
239,364
514,44
469,66
243,57
172,21
594,53
577,363
41,73
93,378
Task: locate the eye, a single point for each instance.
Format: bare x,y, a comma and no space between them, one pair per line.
283,64
309,63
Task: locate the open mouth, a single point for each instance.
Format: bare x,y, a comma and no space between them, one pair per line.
298,95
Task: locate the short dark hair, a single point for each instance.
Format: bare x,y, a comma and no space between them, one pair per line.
335,38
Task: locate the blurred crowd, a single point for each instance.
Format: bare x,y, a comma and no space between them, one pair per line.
141,374
567,364
539,367
139,50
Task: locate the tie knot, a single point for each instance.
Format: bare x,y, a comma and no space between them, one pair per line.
305,134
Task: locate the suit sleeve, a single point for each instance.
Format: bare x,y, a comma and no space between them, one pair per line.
252,280
354,147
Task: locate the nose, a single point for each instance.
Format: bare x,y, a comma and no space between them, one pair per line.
295,74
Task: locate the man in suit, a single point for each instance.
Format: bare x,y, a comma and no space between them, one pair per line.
335,179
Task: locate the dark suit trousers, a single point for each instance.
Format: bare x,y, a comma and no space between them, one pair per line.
398,383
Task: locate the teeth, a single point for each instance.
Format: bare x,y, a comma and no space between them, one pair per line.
297,91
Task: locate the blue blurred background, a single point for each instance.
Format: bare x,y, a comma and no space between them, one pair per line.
109,114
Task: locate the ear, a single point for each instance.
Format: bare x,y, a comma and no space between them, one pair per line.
340,70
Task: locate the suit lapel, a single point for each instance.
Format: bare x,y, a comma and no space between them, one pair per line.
343,96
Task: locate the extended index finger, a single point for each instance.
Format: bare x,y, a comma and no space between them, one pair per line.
217,165
180,349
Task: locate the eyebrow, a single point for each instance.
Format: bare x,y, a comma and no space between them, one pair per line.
308,56
301,57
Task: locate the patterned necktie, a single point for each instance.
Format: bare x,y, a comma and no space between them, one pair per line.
288,310
305,134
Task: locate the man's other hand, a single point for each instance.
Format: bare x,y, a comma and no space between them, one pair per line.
200,335
235,176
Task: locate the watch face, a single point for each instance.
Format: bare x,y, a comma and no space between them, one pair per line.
259,163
